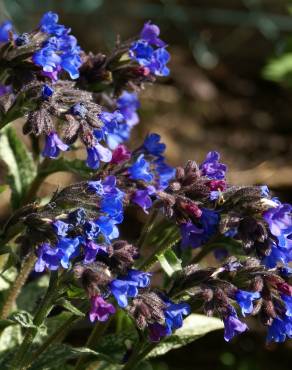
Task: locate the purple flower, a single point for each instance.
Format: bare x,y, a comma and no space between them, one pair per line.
5,89
48,257
53,145
279,218
100,309
91,250
97,153
52,257
195,235
120,155
140,170
153,146
212,168
233,326
245,300
157,332
150,33
142,198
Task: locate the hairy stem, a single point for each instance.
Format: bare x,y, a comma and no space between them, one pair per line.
20,359
147,227
18,284
95,335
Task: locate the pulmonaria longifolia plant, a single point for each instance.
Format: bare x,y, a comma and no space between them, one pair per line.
83,236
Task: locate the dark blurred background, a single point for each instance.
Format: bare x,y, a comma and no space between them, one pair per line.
230,90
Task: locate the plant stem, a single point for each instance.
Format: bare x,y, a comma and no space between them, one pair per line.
36,183
18,284
138,355
55,337
20,359
95,335
147,227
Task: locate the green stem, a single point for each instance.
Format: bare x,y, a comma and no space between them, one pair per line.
20,359
95,335
18,284
57,336
138,355
147,228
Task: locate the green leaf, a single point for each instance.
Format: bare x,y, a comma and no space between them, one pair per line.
4,323
279,69
10,338
2,188
195,326
7,278
75,292
21,168
76,166
169,262
116,345
58,354
31,293
70,307
23,318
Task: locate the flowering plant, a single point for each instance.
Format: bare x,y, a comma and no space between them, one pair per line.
71,260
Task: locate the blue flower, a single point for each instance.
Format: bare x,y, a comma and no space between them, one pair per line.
69,248
108,228
164,173
5,89
97,153
174,316
233,326
53,145
288,304
158,63
212,168
47,92
49,24
245,300
153,146
127,286
91,230
77,217
61,227
150,33
52,257
5,29
128,104
58,52
280,329
113,207
140,170
196,235
121,290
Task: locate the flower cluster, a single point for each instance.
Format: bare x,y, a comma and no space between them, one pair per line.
150,52
248,286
